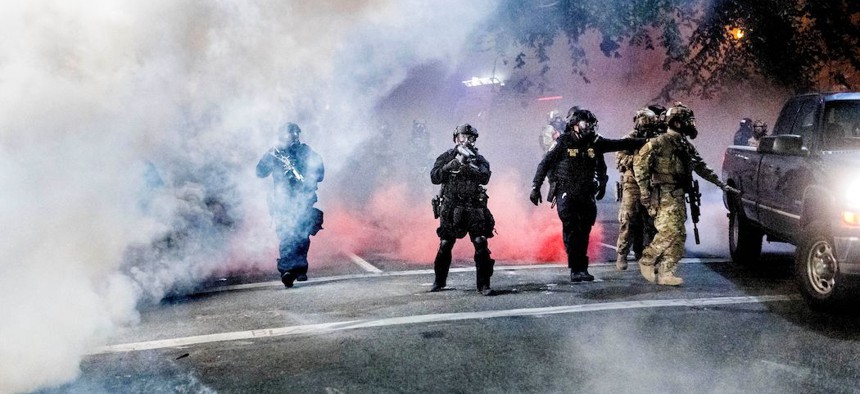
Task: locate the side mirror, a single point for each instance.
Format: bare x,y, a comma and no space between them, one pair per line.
783,144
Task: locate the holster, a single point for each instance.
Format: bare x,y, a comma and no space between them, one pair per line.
316,221
436,203
553,189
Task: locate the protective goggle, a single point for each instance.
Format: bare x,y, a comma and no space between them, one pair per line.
463,138
586,126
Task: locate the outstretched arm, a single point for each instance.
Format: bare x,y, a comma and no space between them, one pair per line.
700,167
609,145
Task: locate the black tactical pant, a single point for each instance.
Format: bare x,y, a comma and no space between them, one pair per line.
456,222
577,214
483,262
293,251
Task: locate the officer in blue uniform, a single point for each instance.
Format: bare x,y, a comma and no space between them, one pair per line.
295,170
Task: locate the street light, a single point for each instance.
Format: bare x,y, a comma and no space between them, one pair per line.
737,33
476,81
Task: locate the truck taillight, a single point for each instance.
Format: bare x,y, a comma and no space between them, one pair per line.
851,218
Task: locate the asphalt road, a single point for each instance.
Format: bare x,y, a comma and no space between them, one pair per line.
375,328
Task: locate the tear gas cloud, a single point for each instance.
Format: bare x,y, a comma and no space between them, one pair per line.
129,134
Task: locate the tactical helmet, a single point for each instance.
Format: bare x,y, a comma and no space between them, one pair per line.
570,112
465,129
681,119
586,121
657,109
759,129
289,128
581,115
680,112
746,122
554,114
645,117
557,123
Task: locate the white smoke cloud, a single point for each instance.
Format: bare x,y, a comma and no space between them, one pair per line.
122,124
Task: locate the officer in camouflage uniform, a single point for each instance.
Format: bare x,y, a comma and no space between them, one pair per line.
759,131
551,131
580,171
463,210
636,227
663,169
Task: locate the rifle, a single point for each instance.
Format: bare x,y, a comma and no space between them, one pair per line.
289,167
619,191
694,198
466,156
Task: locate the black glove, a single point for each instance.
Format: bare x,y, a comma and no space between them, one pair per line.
601,191
452,165
535,196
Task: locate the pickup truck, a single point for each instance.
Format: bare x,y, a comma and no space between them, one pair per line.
801,185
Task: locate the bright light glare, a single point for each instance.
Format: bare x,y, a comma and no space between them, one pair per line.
851,211
475,81
738,33
852,195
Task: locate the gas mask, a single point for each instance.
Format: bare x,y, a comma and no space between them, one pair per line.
583,129
466,140
689,129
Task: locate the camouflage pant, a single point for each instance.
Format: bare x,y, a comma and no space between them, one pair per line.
667,247
636,227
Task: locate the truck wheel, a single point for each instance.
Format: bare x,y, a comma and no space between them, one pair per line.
816,269
744,239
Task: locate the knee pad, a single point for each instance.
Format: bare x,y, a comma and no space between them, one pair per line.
480,242
445,245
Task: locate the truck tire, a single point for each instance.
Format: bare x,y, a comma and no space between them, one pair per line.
744,239
817,271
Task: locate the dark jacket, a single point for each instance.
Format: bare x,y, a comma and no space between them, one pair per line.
462,187
578,162
306,162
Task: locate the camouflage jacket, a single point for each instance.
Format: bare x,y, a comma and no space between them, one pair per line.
670,159
624,159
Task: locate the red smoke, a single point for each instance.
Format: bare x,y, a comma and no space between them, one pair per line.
404,229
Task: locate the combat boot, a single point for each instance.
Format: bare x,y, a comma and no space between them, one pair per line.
484,286
666,277
647,272
438,285
621,262
287,278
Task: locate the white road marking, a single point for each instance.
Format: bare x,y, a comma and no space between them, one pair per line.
363,263
433,318
277,283
613,247
800,372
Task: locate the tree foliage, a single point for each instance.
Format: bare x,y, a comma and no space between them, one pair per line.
800,45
